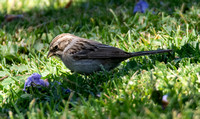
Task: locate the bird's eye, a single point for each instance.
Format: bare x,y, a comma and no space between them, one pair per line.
56,47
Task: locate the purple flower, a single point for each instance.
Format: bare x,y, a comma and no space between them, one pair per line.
35,80
141,6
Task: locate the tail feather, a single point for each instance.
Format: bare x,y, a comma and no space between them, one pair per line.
149,52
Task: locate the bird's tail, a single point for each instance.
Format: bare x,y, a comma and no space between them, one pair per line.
149,52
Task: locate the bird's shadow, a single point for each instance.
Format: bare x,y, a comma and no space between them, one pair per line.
95,83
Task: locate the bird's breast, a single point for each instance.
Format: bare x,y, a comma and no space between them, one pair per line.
86,66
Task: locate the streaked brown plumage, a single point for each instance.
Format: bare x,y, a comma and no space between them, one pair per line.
87,56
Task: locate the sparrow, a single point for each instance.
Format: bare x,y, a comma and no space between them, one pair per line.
87,56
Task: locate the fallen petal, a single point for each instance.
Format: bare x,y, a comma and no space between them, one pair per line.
141,6
165,102
34,80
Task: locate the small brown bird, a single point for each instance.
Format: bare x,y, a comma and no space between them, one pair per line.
86,56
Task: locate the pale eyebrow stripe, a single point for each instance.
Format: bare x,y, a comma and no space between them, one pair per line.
64,37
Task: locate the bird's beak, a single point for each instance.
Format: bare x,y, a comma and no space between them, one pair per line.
50,54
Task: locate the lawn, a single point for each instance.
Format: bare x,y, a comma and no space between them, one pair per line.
132,90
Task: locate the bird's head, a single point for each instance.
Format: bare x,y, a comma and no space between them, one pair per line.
59,43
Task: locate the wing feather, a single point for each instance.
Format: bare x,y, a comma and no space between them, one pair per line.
95,50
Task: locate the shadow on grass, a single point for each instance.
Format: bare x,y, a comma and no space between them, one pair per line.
187,54
83,87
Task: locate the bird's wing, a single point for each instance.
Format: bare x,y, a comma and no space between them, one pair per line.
95,50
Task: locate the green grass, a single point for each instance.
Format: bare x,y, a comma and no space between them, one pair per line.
133,90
